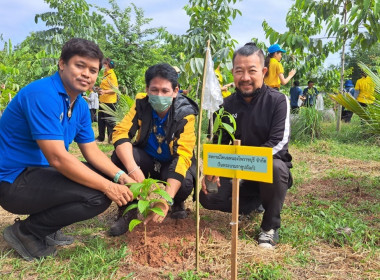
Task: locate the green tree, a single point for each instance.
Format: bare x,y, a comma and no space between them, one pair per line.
130,44
70,18
370,57
341,20
209,20
19,66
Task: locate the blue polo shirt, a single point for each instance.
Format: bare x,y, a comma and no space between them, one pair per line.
40,112
295,93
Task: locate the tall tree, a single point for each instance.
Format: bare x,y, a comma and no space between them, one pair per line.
70,18
133,46
209,20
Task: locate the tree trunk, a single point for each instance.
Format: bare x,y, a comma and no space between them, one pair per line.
339,121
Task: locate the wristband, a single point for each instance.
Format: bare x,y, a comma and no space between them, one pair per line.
170,203
117,176
137,167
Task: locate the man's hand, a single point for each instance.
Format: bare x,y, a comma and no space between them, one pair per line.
137,175
211,179
120,194
125,179
155,217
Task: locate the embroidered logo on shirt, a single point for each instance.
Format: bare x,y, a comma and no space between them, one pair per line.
61,117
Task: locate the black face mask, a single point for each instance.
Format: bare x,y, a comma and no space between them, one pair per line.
247,95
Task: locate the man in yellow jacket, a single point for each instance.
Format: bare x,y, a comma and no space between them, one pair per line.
107,96
156,139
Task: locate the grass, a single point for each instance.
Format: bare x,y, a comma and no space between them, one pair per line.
330,225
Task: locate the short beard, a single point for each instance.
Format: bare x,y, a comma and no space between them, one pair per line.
249,94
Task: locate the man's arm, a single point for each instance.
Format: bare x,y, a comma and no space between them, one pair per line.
72,168
101,162
280,129
124,152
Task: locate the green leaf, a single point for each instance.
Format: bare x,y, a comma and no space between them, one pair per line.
143,206
163,194
229,128
129,208
135,188
134,223
157,210
216,125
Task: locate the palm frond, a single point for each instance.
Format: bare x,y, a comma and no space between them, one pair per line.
123,106
371,113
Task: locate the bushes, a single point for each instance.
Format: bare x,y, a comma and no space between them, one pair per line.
307,124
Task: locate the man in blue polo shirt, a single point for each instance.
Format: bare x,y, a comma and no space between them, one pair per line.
295,94
38,176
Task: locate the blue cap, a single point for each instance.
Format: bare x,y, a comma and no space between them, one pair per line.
275,48
348,83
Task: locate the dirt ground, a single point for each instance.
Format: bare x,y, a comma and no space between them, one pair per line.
171,245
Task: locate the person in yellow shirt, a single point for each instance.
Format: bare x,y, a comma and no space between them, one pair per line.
224,88
366,89
107,96
274,77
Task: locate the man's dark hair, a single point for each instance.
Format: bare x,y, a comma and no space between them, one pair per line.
110,62
247,50
164,71
296,83
309,82
81,47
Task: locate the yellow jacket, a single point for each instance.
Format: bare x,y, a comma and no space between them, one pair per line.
180,131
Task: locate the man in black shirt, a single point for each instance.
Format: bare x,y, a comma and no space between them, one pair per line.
262,120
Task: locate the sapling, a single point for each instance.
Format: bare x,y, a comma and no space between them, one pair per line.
218,128
220,125
145,191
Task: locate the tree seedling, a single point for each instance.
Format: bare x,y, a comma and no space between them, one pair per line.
218,128
220,125
148,193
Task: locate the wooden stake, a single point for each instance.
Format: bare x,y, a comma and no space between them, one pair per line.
197,242
235,222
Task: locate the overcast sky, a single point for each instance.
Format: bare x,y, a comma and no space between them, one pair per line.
17,17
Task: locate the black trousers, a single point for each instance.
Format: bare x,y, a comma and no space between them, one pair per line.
104,123
147,164
253,193
94,117
51,200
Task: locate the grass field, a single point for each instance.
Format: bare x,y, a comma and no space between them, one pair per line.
330,227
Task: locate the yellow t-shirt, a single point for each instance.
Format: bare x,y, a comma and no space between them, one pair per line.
366,89
219,76
275,69
109,81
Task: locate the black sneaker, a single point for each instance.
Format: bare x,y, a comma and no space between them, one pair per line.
178,211
268,239
27,245
120,226
59,239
